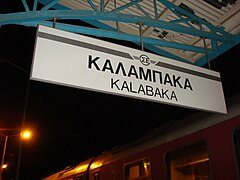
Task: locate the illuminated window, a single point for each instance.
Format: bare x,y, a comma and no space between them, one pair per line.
189,163
236,137
80,176
96,176
138,170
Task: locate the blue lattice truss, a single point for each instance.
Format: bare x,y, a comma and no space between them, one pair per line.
51,9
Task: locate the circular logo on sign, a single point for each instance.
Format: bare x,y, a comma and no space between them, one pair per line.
145,60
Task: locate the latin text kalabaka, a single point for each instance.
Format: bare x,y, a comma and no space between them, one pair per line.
143,74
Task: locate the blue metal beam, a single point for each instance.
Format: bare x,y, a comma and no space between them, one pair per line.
142,10
173,7
221,49
126,6
25,5
149,43
95,23
181,20
49,5
102,5
165,53
35,5
117,35
155,8
92,5
214,45
101,25
97,15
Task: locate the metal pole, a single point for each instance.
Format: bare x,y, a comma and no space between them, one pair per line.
206,50
54,22
3,156
23,123
117,24
141,35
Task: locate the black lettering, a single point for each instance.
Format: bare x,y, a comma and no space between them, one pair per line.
173,95
164,93
125,86
120,67
167,79
132,71
187,84
144,76
131,88
141,89
93,61
107,65
149,90
176,81
154,76
114,83
157,92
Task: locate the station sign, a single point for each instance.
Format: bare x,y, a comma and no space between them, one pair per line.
79,61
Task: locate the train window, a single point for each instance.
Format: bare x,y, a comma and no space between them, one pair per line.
236,137
80,176
189,163
96,176
138,170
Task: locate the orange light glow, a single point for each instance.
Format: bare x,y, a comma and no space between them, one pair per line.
82,168
96,165
26,134
4,166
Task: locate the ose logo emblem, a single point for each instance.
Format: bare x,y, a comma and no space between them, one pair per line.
145,60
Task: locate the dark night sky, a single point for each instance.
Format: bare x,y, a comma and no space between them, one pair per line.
71,125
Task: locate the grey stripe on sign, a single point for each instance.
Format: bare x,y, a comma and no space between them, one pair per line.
189,71
136,57
83,44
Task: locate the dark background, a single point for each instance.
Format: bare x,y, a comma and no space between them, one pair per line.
70,125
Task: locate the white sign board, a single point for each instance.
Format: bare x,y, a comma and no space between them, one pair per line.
78,61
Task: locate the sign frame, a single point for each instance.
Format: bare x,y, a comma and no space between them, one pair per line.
74,60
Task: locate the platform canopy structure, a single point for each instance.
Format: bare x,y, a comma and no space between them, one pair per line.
185,30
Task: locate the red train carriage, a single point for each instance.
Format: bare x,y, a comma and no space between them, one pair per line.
203,146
